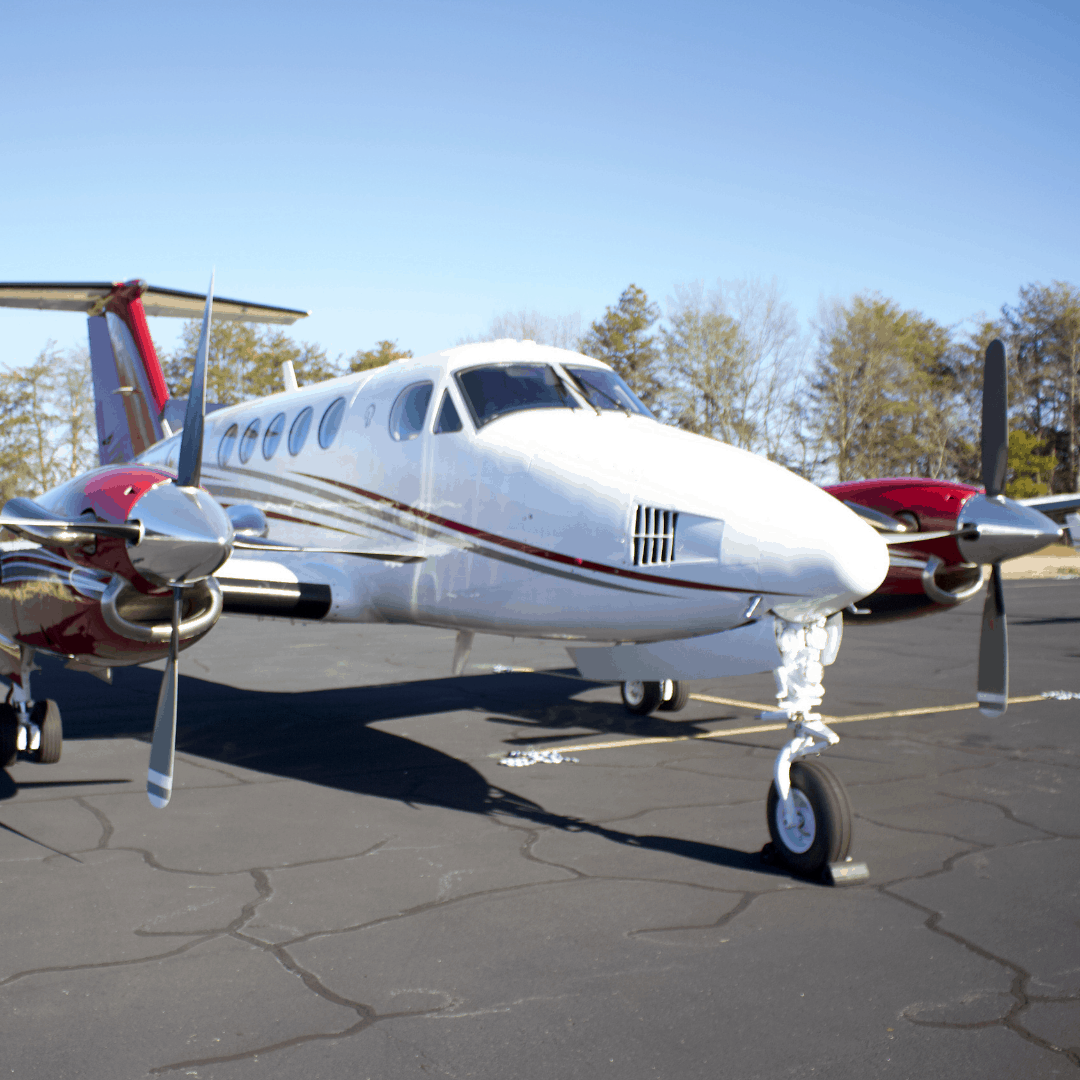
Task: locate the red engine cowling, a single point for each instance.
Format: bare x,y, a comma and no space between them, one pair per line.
89,603
922,578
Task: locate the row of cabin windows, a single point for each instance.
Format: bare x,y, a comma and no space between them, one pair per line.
489,392
329,426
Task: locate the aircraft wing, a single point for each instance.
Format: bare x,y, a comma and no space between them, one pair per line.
1054,506
90,297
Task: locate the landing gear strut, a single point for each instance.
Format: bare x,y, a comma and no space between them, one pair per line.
808,811
29,725
642,698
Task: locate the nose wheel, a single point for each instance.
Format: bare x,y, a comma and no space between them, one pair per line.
816,829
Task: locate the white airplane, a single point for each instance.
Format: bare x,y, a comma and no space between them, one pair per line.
503,488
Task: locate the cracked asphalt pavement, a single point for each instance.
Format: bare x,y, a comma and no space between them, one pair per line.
348,884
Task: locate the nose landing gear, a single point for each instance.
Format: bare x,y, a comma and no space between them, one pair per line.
807,809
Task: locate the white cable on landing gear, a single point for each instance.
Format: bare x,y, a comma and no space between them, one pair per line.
520,758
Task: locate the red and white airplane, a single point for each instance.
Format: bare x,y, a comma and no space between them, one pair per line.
503,488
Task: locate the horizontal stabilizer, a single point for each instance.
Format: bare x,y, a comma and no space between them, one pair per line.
92,298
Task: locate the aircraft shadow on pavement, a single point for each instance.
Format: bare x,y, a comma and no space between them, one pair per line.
323,737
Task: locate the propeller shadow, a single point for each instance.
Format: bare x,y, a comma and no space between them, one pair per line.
324,737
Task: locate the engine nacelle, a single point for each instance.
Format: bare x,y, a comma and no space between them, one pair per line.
923,578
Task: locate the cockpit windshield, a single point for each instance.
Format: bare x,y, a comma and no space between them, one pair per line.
493,391
604,389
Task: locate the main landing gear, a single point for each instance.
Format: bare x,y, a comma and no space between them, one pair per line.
808,811
642,698
29,725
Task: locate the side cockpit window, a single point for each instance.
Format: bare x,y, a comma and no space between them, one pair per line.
603,389
410,409
448,419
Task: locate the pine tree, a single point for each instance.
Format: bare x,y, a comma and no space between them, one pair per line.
622,339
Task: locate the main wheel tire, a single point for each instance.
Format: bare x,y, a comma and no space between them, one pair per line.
9,735
677,698
642,698
46,714
822,833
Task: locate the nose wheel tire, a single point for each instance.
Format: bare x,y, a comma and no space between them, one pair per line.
46,714
642,698
821,831
9,735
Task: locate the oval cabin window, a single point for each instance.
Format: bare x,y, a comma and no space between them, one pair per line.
273,436
299,431
247,443
225,447
331,422
407,415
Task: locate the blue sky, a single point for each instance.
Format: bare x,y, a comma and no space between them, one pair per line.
410,170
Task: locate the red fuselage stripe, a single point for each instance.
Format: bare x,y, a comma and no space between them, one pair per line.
529,549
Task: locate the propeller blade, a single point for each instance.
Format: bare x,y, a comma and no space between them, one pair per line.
159,776
923,537
189,471
993,695
995,423
132,532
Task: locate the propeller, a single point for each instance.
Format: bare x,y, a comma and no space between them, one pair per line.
991,528
159,777
993,680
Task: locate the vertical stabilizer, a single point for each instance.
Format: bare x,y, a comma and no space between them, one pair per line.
129,386
130,396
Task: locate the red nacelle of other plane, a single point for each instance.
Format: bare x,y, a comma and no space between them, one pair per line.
923,506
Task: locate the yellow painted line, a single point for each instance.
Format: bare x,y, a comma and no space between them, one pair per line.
757,729
733,701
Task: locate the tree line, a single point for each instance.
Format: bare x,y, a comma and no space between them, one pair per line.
874,390
870,390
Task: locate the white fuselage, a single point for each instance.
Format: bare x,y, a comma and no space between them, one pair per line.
543,522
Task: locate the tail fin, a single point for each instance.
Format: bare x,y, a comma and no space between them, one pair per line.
132,403
129,387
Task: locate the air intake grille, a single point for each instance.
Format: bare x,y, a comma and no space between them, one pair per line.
654,535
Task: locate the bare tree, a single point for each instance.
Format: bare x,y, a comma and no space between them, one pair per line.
46,422
562,331
704,368
732,359
883,393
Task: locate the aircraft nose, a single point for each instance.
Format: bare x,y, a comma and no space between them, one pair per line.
825,560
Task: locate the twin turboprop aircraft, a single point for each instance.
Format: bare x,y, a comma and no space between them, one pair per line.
504,488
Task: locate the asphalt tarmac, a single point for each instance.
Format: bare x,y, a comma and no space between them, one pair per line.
348,884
